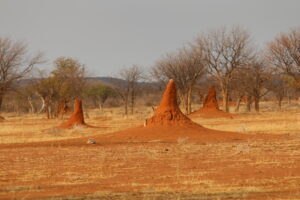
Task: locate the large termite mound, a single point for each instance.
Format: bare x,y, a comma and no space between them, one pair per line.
168,112
210,107
77,118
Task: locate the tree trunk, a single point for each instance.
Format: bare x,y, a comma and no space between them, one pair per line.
1,100
126,100
126,105
249,102
200,98
132,100
225,99
43,104
186,103
32,109
17,109
279,103
237,105
100,105
48,112
256,103
189,100
183,103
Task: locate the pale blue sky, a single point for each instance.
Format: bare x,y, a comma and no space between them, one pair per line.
109,35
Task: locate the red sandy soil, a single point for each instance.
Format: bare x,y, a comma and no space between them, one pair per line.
133,171
77,118
2,118
210,107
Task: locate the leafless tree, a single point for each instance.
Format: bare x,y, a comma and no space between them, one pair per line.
131,75
225,51
185,67
14,64
284,52
47,89
251,81
280,85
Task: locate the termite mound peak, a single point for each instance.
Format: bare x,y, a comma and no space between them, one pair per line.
210,107
77,117
168,112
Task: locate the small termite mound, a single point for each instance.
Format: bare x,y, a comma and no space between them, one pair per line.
77,118
210,101
210,107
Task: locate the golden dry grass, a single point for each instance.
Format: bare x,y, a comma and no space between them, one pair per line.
183,170
29,128
33,128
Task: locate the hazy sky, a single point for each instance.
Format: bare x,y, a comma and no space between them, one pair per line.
112,34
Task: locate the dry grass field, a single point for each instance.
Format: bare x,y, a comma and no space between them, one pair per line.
151,170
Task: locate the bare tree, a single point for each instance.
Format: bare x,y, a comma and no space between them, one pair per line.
14,64
252,82
225,50
185,67
131,75
279,86
47,89
284,52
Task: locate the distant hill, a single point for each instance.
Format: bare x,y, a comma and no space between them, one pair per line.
107,81
114,82
120,82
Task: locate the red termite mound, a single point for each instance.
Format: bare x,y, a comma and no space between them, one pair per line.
168,112
77,118
210,107
210,101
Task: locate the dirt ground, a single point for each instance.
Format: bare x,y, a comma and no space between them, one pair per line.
253,169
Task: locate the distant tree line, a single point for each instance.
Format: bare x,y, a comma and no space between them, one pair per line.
226,57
